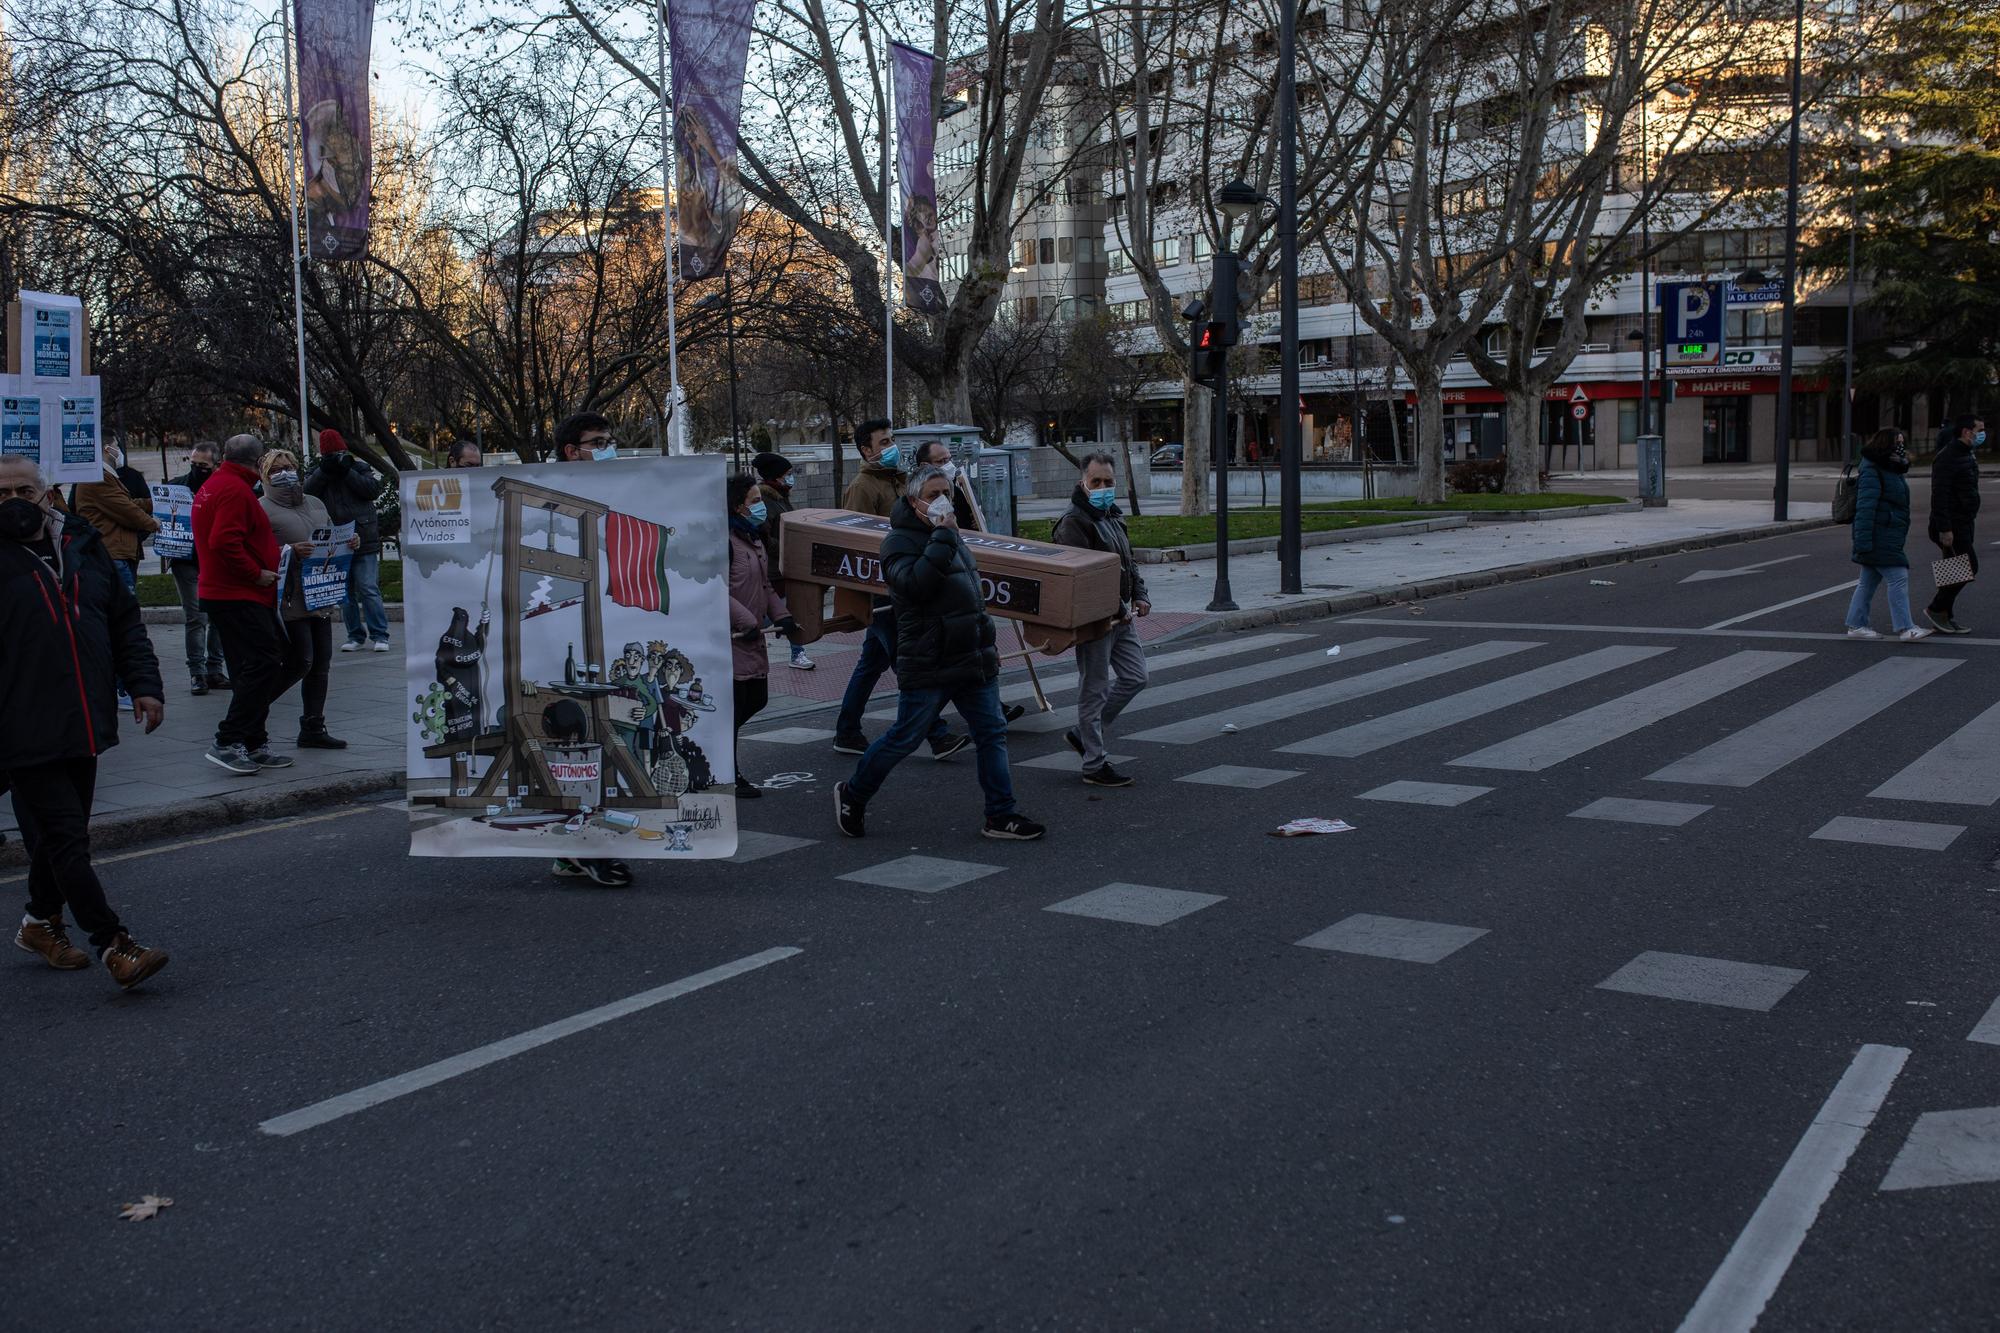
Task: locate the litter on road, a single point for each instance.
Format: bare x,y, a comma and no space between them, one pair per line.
144,1210
1299,828
1333,651
1602,583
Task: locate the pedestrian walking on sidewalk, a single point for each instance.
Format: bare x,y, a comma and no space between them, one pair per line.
348,487
295,516
206,669
238,586
1881,525
122,522
1954,512
1112,668
68,626
877,489
774,485
752,602
585,437
945,653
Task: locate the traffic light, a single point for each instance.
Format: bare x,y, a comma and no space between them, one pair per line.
1210,346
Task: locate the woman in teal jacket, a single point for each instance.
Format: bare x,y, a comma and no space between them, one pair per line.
1881,524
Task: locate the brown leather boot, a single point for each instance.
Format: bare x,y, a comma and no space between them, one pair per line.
51,941
130,962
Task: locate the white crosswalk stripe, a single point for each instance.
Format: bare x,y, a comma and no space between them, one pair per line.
1244,715
1962,769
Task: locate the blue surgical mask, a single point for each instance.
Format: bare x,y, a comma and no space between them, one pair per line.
1978,438
605,455
759,512
892,456
1103,499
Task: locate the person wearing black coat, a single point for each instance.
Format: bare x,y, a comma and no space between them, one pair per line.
348,487
945,654
1881,526
69,628
206,667
1954,509
774,487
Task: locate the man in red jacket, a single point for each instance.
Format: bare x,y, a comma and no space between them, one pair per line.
238,557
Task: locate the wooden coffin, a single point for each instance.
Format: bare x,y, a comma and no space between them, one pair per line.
1061,595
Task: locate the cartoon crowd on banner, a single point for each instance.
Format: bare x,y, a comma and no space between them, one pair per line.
569,662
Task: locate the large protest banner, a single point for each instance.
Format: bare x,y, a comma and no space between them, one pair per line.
569,662
333,47
173,510
710,41
916,138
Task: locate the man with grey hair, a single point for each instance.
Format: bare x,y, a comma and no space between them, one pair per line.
238,581
1112,668
68,627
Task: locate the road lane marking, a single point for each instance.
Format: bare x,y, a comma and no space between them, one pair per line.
1756,1263
1683,631
1783,606
1710,575
1746,757
1962,769
361,1099
1579,733
1988,1031
1422,719
247,831
1890,833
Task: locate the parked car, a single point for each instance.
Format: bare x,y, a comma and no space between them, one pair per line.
1167,455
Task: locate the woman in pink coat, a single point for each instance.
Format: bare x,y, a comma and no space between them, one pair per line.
752,602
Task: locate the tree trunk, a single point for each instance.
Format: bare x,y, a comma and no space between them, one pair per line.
1524,474
1131,480
1196,407
958,396
1429,432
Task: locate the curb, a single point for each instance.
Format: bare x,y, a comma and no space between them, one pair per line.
1319,608
123,828
1170,555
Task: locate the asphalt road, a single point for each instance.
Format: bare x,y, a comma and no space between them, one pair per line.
960,1109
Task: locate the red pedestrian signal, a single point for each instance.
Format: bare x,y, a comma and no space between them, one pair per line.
1210,346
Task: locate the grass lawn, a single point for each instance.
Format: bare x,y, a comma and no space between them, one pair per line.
1470,502
158,589
1161,530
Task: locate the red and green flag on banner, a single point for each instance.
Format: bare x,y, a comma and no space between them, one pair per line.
636,552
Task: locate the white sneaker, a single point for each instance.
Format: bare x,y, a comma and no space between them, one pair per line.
1912,634
379,646
353,645
800,662
1861,633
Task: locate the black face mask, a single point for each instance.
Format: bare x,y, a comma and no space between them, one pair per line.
21,520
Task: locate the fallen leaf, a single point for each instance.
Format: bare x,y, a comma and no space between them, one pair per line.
147,1208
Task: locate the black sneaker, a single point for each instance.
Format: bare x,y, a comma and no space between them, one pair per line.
1107,776
1012,713
265,757
747,790
849,813
1939,621
1955,627
855,744
945,749
1075,741
1018,828
198,686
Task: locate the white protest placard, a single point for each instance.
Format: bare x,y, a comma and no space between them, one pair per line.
323,574
173,510
51,336
72,448
20,419
441,514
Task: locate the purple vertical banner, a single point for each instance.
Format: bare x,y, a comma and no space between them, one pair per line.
916,138
710,42
333,38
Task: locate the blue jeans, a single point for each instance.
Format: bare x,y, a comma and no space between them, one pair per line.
1898,579
917,712
364,601
878,654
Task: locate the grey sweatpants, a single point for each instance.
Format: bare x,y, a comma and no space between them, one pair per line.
1113,670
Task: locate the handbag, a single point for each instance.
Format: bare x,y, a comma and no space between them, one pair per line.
1951,570
1845,494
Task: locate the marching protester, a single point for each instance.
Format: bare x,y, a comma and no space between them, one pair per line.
937,454
463,453
752,601
944,654
1881,525
585,437
1954,510
206,669
877,489
774,482
348,487
294,517
238,586
1112,668
68,625
122,523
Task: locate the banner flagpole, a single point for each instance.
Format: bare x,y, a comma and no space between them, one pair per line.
667,216
888,248
292,181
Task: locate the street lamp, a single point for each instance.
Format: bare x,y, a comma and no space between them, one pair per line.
1236,200
1781,490
727,303
1645,337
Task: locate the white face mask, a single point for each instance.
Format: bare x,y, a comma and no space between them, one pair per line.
285,481
950,470
939,509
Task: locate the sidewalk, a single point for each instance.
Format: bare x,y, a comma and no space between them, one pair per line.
160,785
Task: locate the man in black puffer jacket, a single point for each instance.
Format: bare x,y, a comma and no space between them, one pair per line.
69,628
944,655
1954,509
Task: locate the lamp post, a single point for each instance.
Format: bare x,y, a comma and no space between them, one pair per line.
727,302
1781,489
1289,447
1646,396
1235,200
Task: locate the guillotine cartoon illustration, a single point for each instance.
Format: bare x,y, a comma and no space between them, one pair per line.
530,768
